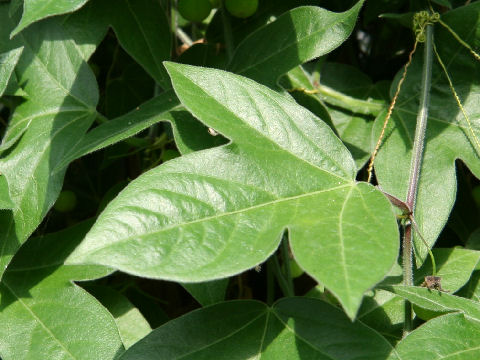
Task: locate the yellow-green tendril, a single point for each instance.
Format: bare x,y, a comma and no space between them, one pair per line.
459,103
463,43
421,20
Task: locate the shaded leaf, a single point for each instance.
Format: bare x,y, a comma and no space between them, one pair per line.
448,137
143,31
153,111
437,301
208,293
445,337
308,32
454,266
35,10
44,315
294,328
8,61
130,322
187,219
60,106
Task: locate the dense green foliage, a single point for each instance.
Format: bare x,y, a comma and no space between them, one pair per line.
186,183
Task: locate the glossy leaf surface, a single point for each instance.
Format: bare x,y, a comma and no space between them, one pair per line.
185,220
294,328
448,135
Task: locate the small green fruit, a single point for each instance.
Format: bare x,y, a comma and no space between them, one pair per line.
241,8
194,10
66,202
215,3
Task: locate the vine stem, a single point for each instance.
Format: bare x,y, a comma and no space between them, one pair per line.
227,32
415,166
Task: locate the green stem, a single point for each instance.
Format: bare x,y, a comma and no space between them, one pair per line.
277,271
227,32
415,166
270,284
336,98
286,262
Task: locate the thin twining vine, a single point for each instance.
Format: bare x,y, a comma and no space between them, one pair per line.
420,21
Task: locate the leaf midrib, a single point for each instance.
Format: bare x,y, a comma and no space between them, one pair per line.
224,337
295,43
39,61
207,218
262,135
36,318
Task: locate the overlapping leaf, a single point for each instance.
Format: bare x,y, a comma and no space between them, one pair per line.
46,132
438,301
219,212
61,104
307,32
44,315
448,138
143,31
450,336
34,10
294,328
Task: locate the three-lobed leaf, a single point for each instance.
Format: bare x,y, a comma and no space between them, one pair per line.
218,212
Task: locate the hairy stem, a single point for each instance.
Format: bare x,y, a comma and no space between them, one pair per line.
286,263
417,155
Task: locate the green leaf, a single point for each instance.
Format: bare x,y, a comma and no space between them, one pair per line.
307,32
115,130
454,266
437,301
8,61
448,136
208,293
143,31
192,135
384,312
5,201
472,289
187,219
35,10
44,315
445,337
130,322
60,107
351,99
294,328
